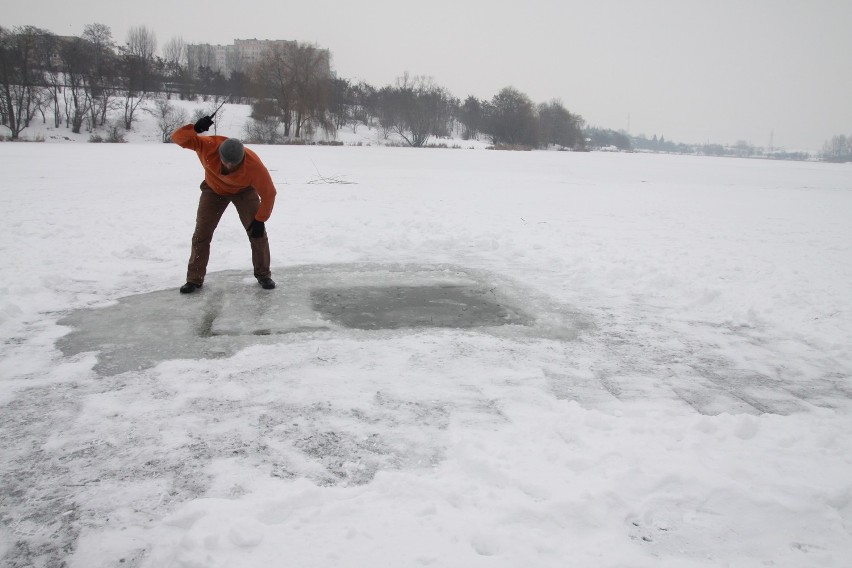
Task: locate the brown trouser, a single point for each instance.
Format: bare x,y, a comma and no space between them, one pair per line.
211,205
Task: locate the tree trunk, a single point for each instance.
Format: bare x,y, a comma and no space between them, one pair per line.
299,124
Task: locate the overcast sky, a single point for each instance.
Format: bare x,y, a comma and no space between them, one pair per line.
691,70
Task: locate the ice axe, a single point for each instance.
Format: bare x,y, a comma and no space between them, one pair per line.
209,119
220,106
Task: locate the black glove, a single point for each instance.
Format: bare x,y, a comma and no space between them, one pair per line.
203,125
256,229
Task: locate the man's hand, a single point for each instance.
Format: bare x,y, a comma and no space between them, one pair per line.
203,125
256,229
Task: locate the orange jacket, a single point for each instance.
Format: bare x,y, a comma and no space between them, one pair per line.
252,172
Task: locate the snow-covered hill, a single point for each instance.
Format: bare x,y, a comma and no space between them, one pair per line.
230,121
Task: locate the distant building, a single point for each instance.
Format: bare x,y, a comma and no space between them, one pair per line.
58,44
229,58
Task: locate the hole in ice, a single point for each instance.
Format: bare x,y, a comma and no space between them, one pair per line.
395,307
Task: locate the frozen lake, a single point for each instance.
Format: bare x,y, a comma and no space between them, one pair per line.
472,358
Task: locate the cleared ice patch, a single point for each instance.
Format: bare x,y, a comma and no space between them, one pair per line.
231,312
597,365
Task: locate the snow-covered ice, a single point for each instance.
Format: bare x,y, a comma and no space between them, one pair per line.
674,388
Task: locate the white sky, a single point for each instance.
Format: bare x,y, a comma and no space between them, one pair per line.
690,70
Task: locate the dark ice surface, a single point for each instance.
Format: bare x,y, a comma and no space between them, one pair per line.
395,307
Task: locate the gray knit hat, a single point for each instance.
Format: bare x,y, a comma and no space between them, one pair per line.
231,151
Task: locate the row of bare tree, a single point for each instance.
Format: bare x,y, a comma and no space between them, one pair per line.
75,80
80,80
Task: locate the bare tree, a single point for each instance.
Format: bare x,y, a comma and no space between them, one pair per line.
512,119
22,52
272,77
86,76
420,109
472,117
76,56
558,126
365,96
310,73
385,108
102,70
262,131
54,79
139,85
142,42
174,52
175,64
341,102
138,71
169,118
54,84
296,76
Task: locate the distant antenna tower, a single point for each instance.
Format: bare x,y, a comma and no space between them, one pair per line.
771,140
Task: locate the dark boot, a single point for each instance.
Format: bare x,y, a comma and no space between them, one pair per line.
266,283
191,287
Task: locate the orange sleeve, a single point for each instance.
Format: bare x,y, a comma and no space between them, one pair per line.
186,137
262,182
